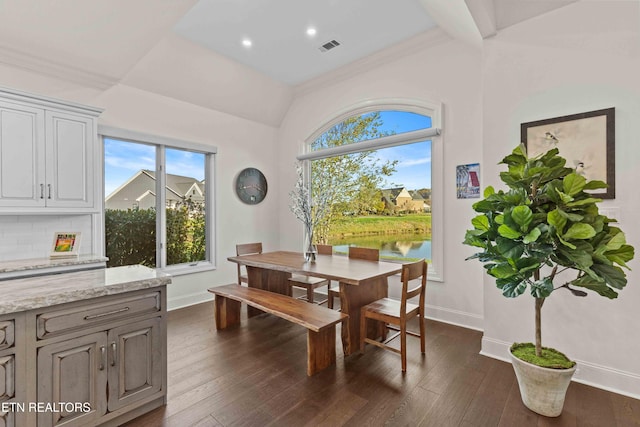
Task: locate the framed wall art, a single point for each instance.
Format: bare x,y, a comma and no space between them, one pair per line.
586,140
468,181
65,244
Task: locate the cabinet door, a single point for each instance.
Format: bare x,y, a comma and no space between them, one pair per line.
7,377
70,160
22,156
136,362
73,371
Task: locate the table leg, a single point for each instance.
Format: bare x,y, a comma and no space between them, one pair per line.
352,299
269,280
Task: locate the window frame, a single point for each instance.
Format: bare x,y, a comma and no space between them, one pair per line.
161,143
425,108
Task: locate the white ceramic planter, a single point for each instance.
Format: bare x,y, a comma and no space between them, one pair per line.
542,389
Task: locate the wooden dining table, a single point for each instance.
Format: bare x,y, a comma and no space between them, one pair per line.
361,282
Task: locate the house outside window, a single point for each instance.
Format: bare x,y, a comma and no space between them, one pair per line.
158,207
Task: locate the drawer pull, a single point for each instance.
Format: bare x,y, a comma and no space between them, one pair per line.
103,353
108,313
113,354
49,188
42,191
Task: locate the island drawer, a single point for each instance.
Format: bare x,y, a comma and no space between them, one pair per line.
6,334
70,319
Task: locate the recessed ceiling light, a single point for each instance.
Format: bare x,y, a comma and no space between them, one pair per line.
246,43
311,31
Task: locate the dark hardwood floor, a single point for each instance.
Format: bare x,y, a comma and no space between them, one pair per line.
254,375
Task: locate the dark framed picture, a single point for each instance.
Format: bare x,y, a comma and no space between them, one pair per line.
586,140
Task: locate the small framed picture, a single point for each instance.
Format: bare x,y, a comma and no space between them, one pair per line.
468,181
65,244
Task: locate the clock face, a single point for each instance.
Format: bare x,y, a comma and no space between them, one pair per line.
251,186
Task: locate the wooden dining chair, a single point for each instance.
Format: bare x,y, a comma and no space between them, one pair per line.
310,283
396,312
367,254
246,249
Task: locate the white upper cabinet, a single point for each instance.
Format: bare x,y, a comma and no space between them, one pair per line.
48,157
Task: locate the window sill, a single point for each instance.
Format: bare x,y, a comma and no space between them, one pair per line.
184,269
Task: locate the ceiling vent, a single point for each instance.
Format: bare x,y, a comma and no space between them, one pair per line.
329,45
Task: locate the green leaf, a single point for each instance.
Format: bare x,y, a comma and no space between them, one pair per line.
567,244
511,249
565,198
557,220
573,184
616,241
595,185
583,202
514,289
570,216
580,258
593,285
489,191
532,236
621,256
499,219
579,231
612,275
508,232
522,216
481,222
526,265
503,271
542,288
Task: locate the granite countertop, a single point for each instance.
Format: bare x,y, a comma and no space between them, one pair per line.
43,263
44,291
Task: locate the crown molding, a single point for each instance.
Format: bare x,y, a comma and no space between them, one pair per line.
400,50
55,69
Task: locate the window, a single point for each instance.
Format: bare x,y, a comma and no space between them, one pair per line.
158,204
376,165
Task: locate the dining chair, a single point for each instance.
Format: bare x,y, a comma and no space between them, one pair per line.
246,249
310,283
396,312
355,252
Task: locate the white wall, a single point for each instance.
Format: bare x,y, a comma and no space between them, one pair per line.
241,143
580,58
447,73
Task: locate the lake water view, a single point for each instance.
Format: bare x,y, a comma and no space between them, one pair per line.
403,246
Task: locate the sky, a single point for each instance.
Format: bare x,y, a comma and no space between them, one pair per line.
122,160
414,160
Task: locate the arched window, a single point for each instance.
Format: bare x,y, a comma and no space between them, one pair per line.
375,165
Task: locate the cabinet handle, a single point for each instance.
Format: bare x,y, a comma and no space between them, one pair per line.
42,191
114,354
103,353
108,313
49,189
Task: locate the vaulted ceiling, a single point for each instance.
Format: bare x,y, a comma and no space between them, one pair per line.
192,50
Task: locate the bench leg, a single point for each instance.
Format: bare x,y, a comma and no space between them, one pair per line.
227,312
321,349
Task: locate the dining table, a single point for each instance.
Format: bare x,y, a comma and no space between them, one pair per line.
361,282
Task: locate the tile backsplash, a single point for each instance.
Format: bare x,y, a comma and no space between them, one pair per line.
31,236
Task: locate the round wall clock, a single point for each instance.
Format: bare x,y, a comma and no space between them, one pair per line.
251,186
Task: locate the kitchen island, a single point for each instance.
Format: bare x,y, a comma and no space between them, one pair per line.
84,348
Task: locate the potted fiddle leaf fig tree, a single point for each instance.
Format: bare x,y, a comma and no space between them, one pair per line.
545,234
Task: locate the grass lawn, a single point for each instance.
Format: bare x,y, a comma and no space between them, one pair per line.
371,225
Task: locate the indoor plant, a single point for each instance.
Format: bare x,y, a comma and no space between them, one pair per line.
544,234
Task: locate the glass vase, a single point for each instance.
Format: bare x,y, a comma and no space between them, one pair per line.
310,250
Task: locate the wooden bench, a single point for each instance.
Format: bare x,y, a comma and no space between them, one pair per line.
319,321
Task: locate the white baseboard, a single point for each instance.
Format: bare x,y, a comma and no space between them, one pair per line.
187,300
591,374
454,317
